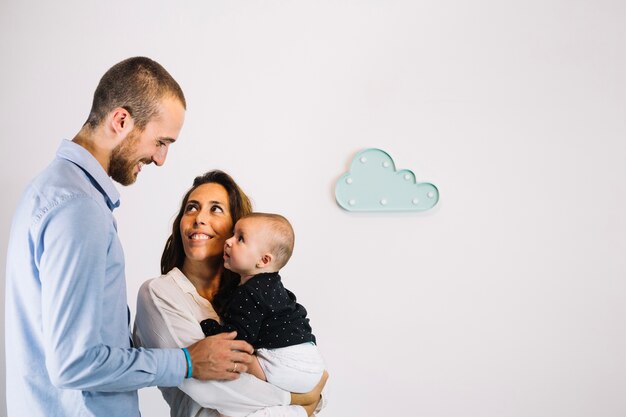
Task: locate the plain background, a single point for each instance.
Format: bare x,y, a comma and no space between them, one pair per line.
508,299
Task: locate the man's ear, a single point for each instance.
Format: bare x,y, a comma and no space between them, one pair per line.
265,260
121,122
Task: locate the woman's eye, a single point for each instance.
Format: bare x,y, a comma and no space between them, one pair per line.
217,209
190,208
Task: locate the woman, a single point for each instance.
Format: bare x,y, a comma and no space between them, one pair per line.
194,281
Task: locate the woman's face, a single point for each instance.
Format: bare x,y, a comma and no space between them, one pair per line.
206,223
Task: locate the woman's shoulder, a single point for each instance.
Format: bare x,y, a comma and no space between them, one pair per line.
164,286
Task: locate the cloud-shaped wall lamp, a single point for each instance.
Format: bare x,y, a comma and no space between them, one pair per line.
374,184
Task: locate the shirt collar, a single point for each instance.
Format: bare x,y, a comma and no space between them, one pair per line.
182,281
187,287
86,161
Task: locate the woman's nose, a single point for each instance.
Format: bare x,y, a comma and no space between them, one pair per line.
200,218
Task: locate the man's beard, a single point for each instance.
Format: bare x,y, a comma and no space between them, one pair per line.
121,163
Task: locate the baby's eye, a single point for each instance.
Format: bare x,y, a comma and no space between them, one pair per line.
240,238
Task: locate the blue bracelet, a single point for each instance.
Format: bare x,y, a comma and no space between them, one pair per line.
189,367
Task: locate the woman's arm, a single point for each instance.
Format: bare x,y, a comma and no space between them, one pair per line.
167,316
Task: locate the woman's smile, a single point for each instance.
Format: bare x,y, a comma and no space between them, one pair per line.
206,222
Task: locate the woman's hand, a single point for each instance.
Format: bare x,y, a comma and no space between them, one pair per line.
220,357
310,400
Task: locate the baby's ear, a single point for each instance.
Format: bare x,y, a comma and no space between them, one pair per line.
265,260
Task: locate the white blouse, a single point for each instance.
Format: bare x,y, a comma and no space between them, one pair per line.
169,311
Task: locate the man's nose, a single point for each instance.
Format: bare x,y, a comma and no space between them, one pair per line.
160,155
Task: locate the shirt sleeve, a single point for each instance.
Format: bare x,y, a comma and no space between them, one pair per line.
162,320
72,249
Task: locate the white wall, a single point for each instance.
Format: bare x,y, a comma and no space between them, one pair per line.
508,299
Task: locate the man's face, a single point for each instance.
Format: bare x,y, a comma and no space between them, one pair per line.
141,148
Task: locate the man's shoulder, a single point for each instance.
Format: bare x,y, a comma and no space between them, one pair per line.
61,183
58,192
63,177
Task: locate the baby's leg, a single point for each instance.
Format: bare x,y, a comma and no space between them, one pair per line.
294,368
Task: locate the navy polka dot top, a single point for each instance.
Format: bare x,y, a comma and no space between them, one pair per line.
264,314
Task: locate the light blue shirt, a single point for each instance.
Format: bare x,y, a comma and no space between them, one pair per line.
68,349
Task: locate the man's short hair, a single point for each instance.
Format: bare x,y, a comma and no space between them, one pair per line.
136,84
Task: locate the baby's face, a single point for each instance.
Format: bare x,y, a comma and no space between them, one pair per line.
244,250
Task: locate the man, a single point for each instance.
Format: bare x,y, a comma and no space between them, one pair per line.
67,323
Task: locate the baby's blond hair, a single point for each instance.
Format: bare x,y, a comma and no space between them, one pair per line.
281,236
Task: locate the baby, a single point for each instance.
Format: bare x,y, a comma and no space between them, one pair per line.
262,311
